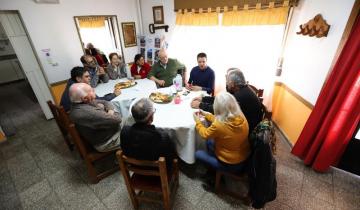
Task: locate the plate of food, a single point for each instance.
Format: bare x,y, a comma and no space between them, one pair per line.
126,84
161,98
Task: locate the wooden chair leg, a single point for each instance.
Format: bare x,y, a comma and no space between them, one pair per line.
217,181
92,172
166,199
126,176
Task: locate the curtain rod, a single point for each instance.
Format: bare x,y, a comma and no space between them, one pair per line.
252,7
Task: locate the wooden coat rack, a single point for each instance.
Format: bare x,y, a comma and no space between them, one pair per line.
315,27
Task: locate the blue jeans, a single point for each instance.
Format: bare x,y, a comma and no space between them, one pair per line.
208,157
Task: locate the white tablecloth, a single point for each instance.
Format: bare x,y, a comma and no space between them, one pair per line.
122,103
177,119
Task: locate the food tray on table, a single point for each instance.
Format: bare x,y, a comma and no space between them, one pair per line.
161,98
126,84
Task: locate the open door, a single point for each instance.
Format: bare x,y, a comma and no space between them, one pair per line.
20,41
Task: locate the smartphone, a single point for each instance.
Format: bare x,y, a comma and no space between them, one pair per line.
186,93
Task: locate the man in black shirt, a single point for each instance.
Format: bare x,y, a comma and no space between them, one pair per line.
247,99
142,140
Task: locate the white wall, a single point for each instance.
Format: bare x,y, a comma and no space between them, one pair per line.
147,16
307,59
52,26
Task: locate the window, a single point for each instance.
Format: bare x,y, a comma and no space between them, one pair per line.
101,31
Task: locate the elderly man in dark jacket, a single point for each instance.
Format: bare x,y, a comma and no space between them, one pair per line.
95,120
247,99
142,140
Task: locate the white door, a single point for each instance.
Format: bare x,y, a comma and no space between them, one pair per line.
17,35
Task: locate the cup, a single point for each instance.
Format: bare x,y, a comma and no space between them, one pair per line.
177,100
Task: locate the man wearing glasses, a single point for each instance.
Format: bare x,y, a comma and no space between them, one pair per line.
97,73
82,75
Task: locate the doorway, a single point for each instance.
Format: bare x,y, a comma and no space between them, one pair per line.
15,33
100,33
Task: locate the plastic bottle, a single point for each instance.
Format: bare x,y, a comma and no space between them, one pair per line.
177,81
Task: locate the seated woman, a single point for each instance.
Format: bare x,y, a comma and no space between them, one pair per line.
227,137
116,68
140,68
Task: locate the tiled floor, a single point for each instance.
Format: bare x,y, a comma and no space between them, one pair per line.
37,171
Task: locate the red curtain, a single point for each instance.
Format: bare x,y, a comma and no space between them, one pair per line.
337,111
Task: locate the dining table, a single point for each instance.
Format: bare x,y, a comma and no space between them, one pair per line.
175,118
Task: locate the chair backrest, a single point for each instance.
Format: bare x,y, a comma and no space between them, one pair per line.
259,92
142,167
82,146
55,114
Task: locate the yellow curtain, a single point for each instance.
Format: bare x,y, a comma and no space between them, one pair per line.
91,22
271,16
197,19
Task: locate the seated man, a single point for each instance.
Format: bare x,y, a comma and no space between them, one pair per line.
81,75
94,119
142,140
202,77
164,71
97,73
247,99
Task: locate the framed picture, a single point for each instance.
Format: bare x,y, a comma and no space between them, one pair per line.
129,33
158,14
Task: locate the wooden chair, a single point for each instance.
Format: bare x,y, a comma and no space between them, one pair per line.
90,155
150,176
55,110
241,177
259,92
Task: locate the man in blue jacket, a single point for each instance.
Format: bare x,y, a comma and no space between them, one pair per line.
202,77
81,75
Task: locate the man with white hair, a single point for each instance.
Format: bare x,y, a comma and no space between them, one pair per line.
142,140
246,98
94,119
165,70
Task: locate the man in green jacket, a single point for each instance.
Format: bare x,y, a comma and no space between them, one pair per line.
164,71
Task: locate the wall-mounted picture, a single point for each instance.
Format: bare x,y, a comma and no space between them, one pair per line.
149,55
129,33
158,14
156,57
142,41
142,52
157,42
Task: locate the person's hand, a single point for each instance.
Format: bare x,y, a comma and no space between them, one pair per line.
195,88
188,86
101,106
111,112
101,71
199,98
204,113
196,116
195,104
161,82
137,76
117,91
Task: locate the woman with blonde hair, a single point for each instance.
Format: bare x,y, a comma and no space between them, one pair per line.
227,136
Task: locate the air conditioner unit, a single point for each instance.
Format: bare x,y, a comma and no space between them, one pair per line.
47,1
